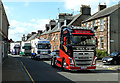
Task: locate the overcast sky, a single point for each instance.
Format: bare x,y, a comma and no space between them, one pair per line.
26,16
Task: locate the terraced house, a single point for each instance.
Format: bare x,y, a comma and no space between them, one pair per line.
53,28
4,26
106,24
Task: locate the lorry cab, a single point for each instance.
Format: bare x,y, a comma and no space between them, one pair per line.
77,49
42,49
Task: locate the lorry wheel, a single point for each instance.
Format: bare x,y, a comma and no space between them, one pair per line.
63,65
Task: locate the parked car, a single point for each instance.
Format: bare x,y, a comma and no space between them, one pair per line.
53,55
113,58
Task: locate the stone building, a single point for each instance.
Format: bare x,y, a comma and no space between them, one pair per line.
106,24
4,26
53,28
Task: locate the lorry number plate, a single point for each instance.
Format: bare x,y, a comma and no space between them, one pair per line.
83,67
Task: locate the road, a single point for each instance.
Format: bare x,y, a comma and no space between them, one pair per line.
41,70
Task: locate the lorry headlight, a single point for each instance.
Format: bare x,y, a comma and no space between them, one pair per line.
71,60
49,52
110,59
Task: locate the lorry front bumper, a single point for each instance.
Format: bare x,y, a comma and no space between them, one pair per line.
81,68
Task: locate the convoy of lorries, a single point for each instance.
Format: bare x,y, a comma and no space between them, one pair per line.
77,49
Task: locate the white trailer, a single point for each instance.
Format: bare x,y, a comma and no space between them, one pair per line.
15,48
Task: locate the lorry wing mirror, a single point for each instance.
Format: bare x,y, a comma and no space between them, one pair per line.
23,47
96,39
65,41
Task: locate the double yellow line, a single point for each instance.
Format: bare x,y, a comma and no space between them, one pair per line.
28,72
112,68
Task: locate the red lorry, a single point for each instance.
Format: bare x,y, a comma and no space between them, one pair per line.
77,49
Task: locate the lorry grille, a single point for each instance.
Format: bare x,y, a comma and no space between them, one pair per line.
83,58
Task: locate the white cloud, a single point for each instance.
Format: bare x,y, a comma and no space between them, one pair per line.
17,29
33,0
75,4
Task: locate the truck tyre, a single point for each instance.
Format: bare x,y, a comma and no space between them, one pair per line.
63,65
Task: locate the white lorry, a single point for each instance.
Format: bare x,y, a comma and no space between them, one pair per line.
42,49
26,48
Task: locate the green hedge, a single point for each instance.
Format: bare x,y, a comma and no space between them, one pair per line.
101,54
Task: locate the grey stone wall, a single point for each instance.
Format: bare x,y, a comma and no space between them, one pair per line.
115,31
4,26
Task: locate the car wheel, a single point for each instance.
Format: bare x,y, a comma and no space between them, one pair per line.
63,65
114,62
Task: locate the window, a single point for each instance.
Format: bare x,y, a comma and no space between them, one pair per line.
56,36
93,23
53,37
102,25
101,42
57,47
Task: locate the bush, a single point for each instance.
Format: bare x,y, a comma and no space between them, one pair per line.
101,54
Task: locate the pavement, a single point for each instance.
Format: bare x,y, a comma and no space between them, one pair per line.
12,71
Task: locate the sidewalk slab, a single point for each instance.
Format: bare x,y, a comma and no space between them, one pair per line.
12,70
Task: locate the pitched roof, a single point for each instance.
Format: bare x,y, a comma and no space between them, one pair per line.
75,17
32,37
104,12
56,29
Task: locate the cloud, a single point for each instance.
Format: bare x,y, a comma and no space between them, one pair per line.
17,28
26,4
33,0
75,4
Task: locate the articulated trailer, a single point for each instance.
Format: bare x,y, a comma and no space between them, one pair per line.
77,49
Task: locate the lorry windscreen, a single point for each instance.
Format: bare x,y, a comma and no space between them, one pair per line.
16,47
27,47
83,40
43,46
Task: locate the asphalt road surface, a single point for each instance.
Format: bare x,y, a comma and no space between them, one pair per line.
41,70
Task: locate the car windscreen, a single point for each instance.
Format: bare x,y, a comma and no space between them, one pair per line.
114,54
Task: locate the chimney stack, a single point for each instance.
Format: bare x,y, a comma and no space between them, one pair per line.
52,24
33,33
39,32
47,27
85,10
23,38
101,7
